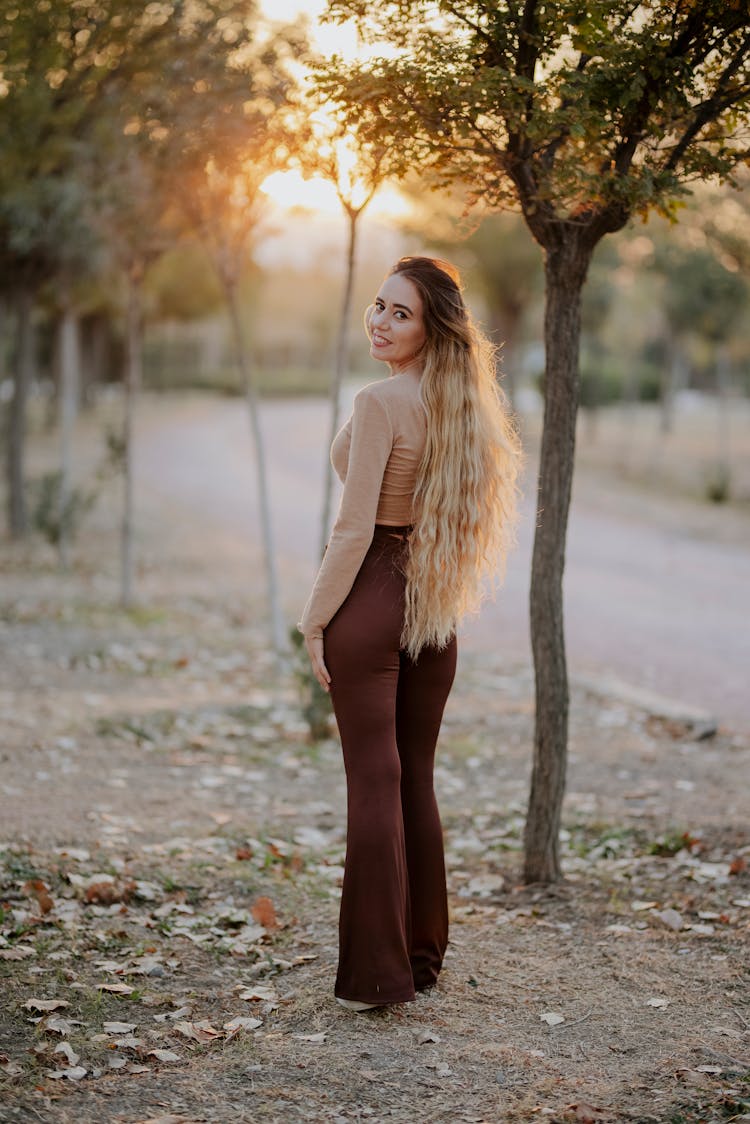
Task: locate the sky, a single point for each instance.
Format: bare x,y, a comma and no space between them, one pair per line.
327,37
288,189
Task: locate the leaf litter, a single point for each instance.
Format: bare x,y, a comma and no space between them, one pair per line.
207,947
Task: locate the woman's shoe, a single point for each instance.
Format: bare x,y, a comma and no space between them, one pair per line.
355,1005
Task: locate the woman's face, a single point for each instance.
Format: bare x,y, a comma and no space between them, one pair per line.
395,322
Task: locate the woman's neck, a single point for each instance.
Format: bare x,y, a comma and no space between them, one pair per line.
410,366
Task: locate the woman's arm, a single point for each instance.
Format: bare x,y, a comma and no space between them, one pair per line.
371,444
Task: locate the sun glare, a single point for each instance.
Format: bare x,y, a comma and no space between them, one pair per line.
289,190
329,38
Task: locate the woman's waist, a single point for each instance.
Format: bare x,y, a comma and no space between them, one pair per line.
398,532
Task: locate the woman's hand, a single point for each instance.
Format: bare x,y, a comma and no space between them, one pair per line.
314,645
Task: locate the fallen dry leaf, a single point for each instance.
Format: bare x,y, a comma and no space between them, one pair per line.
101,893
221,818
551,1018
670,918
657,1002
20,952
56,1025
737,865
119,1028
198,1032
116,989
186,1009
234,1026
45,1004
35,888
319,1037
164,1055
71,1057
257,992
74,1073
264,913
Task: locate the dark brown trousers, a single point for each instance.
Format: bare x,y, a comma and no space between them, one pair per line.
394,914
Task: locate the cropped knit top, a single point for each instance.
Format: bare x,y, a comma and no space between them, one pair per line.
377,456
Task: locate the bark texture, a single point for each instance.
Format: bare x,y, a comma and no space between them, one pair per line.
565,268
18,520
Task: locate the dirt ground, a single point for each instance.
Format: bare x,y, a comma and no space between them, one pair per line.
170,862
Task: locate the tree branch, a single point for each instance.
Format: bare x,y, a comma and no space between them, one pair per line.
526,59
708,110
527,49
695,38
475,27
548,153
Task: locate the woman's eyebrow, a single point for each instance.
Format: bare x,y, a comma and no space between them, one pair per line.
396,305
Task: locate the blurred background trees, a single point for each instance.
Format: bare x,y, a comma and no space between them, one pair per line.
111,279
108,110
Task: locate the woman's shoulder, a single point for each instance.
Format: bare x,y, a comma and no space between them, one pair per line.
394,388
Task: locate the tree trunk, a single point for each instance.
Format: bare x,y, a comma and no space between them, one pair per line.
133,357
565,269
18,523
278,630
94,358
69,354
342,356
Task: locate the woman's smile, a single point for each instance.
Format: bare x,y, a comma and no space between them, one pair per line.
395,323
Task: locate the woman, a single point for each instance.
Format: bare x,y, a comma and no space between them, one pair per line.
429,461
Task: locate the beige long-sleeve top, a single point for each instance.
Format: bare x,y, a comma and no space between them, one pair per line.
377,456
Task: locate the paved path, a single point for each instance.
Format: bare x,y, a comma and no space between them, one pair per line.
653,594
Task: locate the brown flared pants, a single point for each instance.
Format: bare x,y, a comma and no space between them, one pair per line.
394,914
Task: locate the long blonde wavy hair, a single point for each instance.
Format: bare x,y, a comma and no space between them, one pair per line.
465,502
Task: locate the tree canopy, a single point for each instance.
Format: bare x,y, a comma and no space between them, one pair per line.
91,89
582,113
